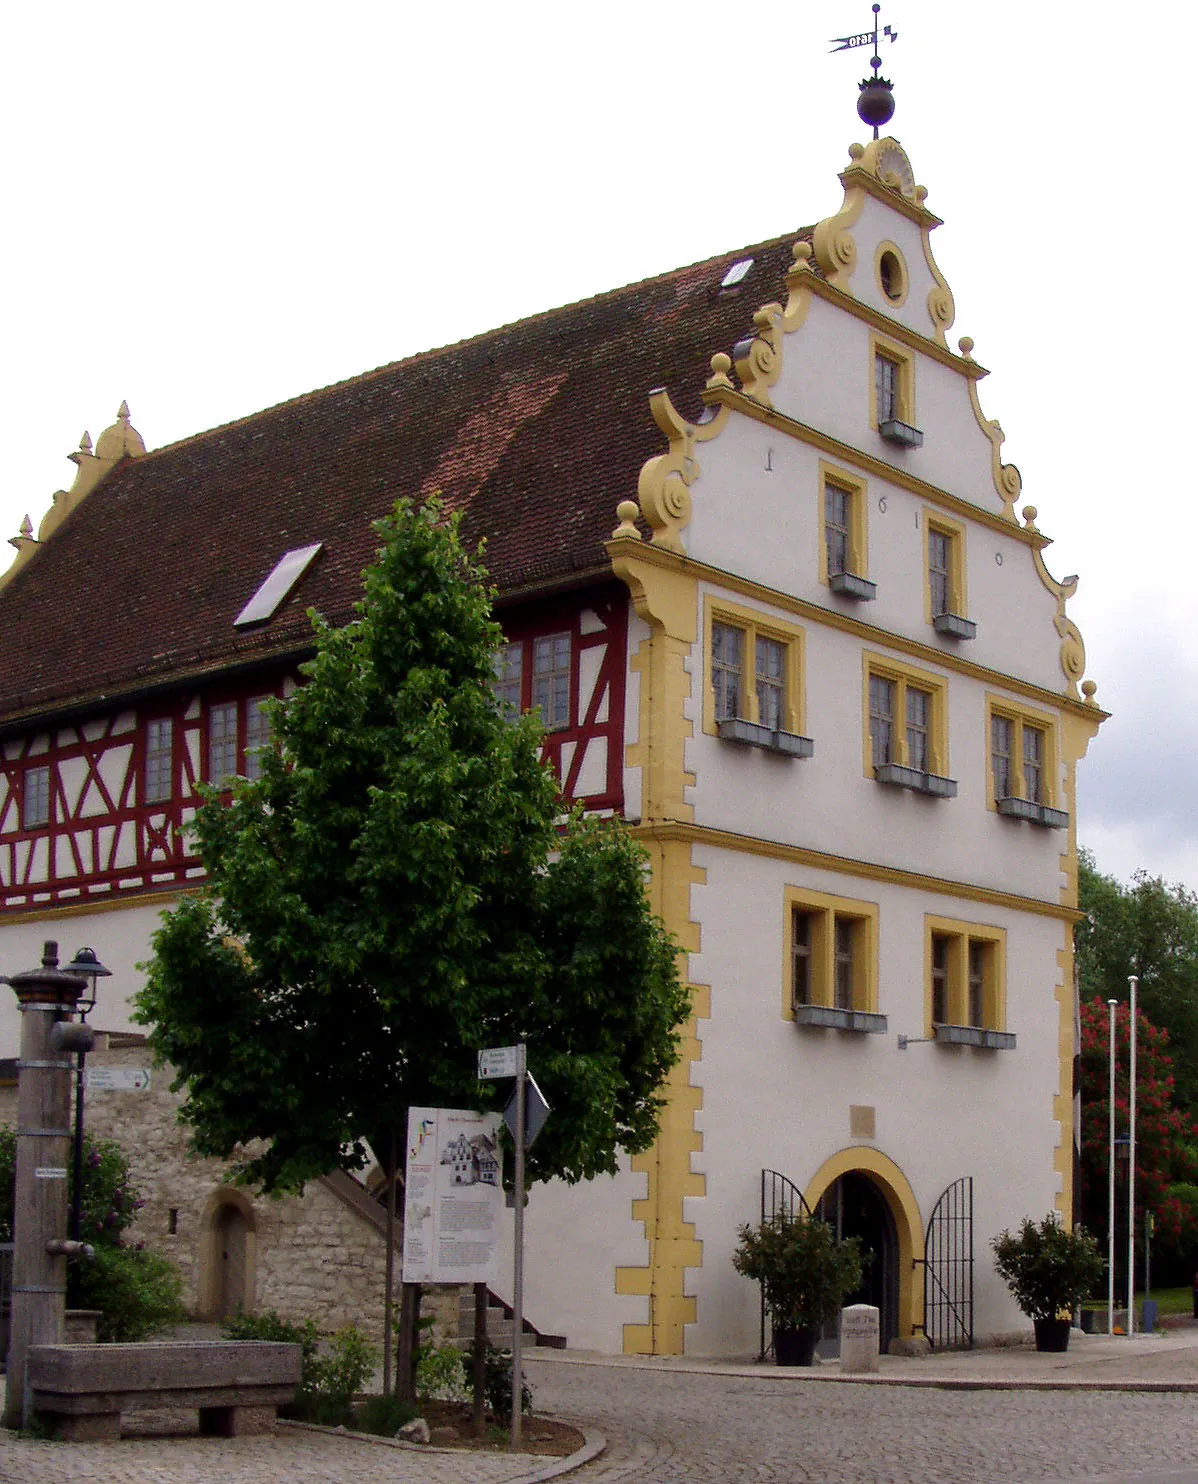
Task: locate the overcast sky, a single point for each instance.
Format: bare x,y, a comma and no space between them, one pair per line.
213,208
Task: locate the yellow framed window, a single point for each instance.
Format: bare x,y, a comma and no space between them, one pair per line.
754,670
892,393
830,960
944,577
843,554
907,711
965,979
1022,763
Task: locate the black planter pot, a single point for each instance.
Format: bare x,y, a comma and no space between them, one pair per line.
795,1346
1052,1335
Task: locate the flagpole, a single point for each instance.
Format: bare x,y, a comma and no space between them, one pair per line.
1133,984
1110,1224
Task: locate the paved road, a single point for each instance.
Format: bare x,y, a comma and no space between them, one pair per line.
684,1428
928,1421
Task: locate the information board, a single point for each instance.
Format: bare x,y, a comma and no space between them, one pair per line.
453,1200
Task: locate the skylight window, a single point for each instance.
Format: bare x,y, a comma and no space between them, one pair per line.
736,274
286,572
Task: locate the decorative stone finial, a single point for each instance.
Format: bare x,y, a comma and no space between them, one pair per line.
85,443
1029,517
801,252
122,440
966,346
24,537
855,152
721,364
628,510
1088,689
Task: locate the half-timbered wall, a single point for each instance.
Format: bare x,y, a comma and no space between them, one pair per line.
584,741
98,809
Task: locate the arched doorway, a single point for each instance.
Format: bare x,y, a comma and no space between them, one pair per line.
853,1206
227,1255
230,1232
862,1192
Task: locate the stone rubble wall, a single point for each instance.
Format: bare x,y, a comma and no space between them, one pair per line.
314,1255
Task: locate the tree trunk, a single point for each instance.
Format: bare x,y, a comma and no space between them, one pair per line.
409,1316
389,1279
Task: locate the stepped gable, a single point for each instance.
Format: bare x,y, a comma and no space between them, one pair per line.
534,431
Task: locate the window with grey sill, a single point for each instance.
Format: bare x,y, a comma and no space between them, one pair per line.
1041,814
974,1035
848,585
931,784
953,626
829,1017
894,430
769,739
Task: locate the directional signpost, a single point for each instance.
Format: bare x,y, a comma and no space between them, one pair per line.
117,1079
525,1115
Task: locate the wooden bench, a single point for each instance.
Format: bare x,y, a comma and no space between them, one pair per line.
80,1391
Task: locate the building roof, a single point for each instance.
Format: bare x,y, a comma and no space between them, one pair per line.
534,431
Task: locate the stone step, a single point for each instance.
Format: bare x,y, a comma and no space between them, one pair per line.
499,1327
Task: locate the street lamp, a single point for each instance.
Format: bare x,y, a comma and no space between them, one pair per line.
88,967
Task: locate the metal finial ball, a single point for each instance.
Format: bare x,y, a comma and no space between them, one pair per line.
875,106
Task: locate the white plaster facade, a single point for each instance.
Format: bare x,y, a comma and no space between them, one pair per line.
641,1260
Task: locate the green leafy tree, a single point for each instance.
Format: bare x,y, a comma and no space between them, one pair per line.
399,889
1150,929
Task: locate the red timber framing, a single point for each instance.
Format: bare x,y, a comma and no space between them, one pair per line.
121,787
585,744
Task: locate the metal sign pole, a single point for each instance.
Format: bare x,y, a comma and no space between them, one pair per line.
518,1254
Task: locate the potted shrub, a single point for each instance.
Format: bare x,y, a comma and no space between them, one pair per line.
1049,1271
806,1274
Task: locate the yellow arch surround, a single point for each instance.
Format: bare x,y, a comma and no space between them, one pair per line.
908,1223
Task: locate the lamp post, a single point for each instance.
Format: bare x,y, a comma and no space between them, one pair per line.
88,967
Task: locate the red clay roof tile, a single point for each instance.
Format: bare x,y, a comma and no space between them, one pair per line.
535,431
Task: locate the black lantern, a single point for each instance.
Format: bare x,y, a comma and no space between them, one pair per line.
88,967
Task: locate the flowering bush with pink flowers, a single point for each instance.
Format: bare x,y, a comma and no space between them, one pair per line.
137,1292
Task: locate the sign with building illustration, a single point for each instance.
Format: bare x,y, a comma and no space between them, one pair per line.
454,1196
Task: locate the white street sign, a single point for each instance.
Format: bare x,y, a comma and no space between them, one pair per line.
500,1061
117,1079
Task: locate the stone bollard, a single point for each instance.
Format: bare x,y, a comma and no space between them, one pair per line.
859,1339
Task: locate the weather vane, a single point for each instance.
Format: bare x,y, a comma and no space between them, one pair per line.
875,106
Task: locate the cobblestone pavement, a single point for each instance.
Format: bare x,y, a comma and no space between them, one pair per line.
293,1455
684,1427
964,1418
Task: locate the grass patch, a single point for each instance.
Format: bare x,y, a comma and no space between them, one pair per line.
1167,1300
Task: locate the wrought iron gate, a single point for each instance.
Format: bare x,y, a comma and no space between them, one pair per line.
948,1269
777,1194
